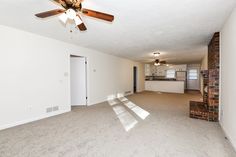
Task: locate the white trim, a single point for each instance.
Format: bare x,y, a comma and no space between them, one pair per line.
228,137
32,119
220,81
86,77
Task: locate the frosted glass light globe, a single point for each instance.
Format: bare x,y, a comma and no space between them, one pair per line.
71,14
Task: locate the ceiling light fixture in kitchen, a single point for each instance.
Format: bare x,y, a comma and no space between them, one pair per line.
157,62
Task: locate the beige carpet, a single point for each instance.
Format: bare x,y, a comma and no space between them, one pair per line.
101,131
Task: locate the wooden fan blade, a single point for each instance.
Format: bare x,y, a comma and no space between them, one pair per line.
61,3
82,27
50,13
98,15
58,1
163,62
69,1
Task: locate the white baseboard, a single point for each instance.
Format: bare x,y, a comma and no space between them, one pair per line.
228,137
32,119
48,115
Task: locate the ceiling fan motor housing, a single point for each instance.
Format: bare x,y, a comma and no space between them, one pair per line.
71,4
71,14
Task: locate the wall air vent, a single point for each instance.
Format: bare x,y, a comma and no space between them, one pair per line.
128,92
52,109
49,109
55,108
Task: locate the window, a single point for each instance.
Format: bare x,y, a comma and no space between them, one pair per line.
193,74
170,73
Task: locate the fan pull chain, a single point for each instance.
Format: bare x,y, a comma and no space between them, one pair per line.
71,31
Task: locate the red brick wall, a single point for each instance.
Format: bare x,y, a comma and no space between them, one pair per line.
213,85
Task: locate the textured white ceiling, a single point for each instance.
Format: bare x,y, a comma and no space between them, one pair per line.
180,29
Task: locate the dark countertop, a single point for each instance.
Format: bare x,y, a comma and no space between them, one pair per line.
159,78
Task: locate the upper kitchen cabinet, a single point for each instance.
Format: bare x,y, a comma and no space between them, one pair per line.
148,70
161,71
182,67
152,70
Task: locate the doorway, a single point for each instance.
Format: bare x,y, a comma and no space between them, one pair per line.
134,79
78,80
193,81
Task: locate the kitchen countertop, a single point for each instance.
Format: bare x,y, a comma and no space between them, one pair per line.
166,80
160,80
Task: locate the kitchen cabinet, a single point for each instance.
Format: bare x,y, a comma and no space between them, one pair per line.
148,71
165,86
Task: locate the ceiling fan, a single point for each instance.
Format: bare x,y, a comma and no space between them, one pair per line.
157,62
71,11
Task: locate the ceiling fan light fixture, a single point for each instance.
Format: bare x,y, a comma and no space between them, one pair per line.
157,62
71,14
77,20
63,18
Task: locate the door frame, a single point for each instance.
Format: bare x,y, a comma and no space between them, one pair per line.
135,79
198,75
86,77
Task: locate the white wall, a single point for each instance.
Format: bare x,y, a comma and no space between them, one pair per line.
204,66
35,75
204,63
228,78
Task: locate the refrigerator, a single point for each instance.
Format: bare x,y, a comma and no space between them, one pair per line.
182,76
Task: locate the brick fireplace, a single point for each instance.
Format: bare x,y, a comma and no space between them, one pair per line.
209,108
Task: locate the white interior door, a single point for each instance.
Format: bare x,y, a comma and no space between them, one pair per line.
78,81
193,79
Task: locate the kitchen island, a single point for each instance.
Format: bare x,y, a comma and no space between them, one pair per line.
162,85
